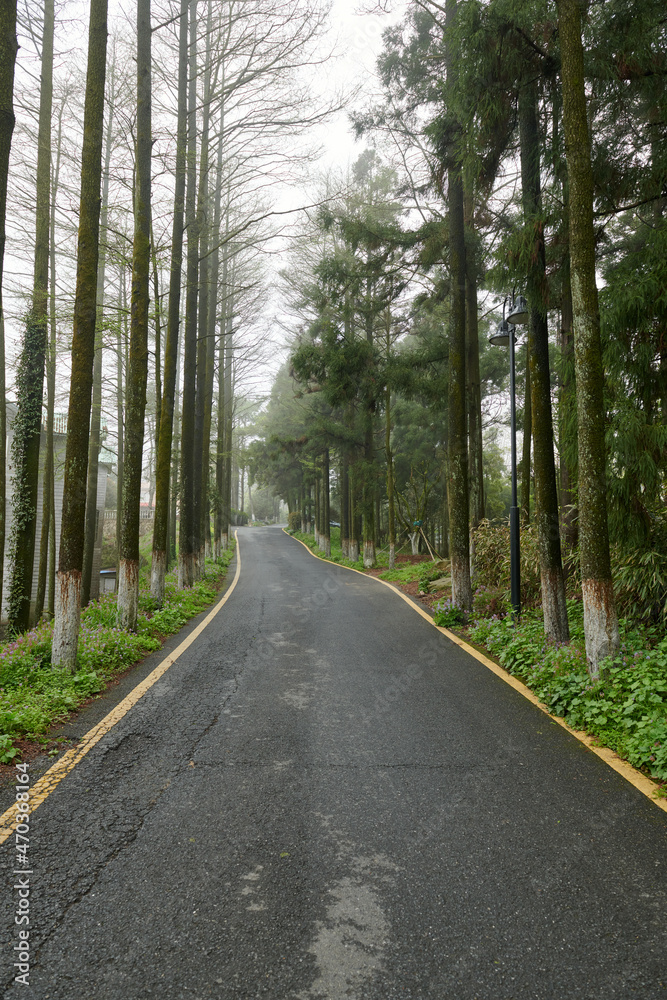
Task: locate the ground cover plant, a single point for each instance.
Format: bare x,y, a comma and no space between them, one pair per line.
34,695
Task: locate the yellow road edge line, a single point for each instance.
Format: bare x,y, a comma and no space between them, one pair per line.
46,784
643,784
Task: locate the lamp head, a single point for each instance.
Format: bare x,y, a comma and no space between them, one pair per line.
519,313
501,337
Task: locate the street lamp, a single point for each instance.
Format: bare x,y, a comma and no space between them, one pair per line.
503,337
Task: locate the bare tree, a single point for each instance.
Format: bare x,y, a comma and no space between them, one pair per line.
128,582
70,562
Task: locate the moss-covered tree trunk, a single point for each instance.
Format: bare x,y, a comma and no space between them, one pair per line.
186,536
344,500
220,437
94,443
326,496
30,371
391,513
47,568
8,50
70,560
526,450
567,419
203,229
600,618
128,579
473,378
171,354
212,323
229,410
457,430
546,493
120,398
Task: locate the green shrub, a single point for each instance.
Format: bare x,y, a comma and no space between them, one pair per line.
640,583
448,614
488,601
294,521
492,559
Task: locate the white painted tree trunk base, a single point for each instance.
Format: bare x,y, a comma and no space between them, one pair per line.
158,573
461,586
67,619
327,547
128,594
369,555
354,551
414,543
185,571
224,541
600,622
392,555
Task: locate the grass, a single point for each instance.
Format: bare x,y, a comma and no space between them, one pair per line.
34,695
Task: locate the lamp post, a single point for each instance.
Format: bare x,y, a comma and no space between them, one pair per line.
503,337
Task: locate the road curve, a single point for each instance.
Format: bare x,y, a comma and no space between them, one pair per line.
324,798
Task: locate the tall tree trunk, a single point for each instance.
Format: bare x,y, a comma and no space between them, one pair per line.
128,580
8,50
30,373
47,568
120,400
220,438
171,353
214,275
566,405
344,502
524,500
546,493
458,445
600,619
229,409
473,378
326,496
175,472
389,456
96,414
70,561
186,537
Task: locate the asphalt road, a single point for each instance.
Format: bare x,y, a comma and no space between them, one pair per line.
325,798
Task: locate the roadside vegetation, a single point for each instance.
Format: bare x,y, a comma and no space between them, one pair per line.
34,695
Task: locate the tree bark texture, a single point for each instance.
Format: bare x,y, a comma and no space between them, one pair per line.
526,448
474,387
600,618
165,436
94,443
8,50
70,560
128,579
186,538
546,493
30,374
458,443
